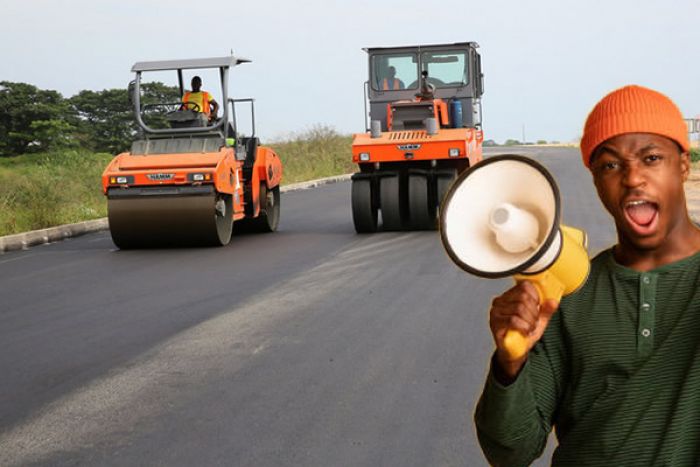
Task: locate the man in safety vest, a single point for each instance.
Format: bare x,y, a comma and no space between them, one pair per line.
391,82
200,101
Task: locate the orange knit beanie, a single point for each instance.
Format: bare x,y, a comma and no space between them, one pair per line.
633,109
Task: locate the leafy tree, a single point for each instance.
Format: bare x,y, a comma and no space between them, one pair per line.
33,120
53,134
159,93
153,97
103,119
22,104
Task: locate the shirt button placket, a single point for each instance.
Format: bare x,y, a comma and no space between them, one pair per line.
647,297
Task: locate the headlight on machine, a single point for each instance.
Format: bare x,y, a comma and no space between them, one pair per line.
364,156
454,152
199,177
121,180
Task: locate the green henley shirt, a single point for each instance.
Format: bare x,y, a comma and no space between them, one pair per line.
616,373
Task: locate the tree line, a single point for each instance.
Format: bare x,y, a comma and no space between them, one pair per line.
37,120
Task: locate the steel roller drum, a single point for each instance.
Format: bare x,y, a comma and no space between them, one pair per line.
141,221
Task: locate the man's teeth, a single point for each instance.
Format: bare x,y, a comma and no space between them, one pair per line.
636,203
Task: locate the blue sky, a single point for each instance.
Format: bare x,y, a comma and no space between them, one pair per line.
546,62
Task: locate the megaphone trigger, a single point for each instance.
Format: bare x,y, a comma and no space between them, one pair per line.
548,286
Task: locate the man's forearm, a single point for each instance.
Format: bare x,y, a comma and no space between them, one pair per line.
509,424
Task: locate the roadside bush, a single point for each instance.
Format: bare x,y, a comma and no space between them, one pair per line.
42,190
695,154
315,153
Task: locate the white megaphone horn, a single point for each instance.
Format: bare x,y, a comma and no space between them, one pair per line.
501,218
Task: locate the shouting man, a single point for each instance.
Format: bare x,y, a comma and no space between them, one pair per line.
616,370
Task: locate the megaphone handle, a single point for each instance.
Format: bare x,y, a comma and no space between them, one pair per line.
548,288
515,343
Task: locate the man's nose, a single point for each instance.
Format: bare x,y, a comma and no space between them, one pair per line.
634,174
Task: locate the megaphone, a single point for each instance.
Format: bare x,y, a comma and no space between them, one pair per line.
501,217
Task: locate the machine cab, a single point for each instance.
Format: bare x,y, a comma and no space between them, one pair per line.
405,82
169,125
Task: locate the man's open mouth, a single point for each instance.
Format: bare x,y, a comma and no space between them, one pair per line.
642,215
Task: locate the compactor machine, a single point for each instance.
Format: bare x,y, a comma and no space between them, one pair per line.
189,180
424,129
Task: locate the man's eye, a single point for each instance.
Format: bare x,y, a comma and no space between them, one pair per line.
653,157
608,166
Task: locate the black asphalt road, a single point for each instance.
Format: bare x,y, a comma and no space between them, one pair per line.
312,346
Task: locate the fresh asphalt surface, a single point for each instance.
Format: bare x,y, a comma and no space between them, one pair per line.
312,346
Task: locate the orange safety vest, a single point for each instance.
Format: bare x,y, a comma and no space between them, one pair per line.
385,84
200,98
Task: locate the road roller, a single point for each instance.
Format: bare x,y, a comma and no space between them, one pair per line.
190,177
422,130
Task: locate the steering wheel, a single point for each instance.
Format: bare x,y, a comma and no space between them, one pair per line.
434,81
183,112
193,106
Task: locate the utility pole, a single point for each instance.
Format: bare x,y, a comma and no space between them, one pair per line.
523,133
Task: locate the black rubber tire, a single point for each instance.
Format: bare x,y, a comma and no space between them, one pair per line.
421,206
364,209
390,202
269,217
443,186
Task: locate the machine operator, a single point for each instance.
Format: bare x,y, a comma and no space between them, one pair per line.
200,101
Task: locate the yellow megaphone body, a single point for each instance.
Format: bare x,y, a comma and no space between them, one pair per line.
502,218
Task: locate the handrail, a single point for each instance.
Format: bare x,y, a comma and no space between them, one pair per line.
366,90
233,112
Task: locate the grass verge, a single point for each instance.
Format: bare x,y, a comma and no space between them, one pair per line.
317,153
43,190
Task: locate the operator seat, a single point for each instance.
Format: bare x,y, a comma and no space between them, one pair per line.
186,118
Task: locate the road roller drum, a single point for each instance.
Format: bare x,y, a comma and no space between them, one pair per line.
204,219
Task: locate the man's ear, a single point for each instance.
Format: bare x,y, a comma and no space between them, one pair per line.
685,165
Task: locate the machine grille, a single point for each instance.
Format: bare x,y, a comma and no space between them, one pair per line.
409,135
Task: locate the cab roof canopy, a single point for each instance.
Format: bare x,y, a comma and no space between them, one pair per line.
422,46
189,64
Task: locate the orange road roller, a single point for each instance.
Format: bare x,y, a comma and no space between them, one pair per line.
424,129
191,177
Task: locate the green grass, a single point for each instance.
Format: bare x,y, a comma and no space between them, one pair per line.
316,153
62,187
43,190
